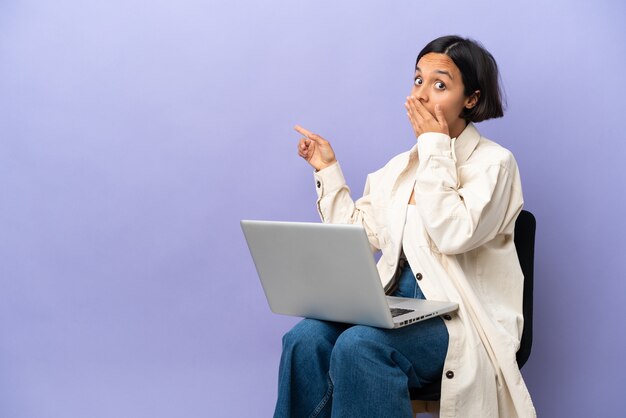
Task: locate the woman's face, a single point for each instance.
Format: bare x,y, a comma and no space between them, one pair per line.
438,81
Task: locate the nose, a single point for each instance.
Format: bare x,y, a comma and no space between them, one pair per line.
419,93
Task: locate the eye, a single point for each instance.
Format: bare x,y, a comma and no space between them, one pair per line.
418,81
440,86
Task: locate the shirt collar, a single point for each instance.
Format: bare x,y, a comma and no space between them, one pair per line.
465,143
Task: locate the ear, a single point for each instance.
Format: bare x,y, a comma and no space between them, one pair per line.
472,100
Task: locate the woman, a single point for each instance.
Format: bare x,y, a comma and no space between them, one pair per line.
443,215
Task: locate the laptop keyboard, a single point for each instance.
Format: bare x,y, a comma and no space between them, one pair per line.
399,311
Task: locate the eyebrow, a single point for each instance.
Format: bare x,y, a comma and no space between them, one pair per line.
438,72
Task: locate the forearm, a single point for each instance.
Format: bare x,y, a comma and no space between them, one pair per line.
462,214
335,203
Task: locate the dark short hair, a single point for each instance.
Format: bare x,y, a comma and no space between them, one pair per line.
478,70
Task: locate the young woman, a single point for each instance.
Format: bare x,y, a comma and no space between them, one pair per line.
443,215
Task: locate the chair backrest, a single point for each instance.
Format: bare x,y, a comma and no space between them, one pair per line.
525,244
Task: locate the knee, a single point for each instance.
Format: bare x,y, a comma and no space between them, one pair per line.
355,345
308,335
295,337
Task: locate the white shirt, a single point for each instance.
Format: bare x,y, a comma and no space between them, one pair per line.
468,196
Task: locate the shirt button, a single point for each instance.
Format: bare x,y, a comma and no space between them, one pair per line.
419,276
319,184
449,374
447,317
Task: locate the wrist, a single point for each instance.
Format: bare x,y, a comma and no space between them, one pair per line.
326,165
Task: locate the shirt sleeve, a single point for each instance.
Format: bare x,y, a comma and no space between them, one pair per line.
335,204
461,214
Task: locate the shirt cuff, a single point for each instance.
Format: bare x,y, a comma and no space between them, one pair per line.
329,179
431,144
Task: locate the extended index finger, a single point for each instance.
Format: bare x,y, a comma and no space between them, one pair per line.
303,131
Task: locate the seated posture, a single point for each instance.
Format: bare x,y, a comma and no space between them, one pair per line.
443,215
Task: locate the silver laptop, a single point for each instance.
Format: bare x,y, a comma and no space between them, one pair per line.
328,272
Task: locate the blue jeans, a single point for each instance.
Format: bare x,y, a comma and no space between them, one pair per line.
341,370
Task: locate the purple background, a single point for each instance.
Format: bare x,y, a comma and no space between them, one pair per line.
136,134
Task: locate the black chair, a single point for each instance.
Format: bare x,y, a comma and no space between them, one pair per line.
427,399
